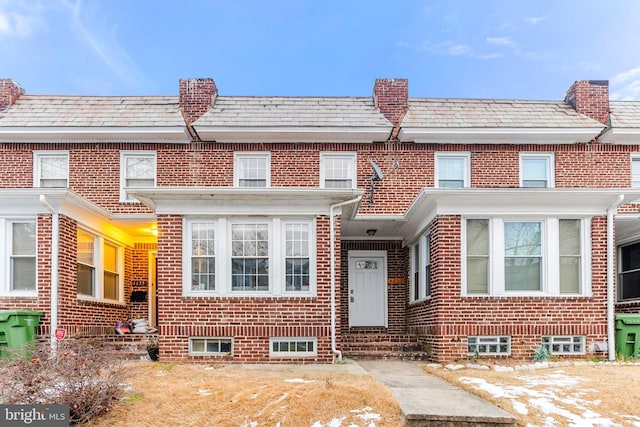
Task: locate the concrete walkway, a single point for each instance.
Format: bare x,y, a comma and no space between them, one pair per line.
426,400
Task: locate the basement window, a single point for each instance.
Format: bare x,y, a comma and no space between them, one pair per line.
293,347
489,346
564,344
210,346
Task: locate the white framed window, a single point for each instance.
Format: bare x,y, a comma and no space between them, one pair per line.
421,268
564,344
100,267
18,257
293,347
537,170
210,346
249,256
452,170
51,169
252,170
635,170
137,170
202,253
338,170
629,272
533,256
489,346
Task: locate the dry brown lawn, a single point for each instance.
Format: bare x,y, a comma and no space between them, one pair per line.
588,395
160,394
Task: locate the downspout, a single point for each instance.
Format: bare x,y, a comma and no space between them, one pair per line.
332,242
611,251
55,249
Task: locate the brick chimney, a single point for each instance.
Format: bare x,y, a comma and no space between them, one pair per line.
591,98
391,98
9,92
197,96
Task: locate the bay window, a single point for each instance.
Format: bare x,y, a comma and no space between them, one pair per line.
546,256
99,268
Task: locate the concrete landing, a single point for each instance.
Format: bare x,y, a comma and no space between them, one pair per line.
426,400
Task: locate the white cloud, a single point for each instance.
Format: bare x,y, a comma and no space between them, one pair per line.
460,49
535,19
103,43
626,85
18,23
500,41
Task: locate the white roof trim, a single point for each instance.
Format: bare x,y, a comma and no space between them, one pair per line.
621,136
167,134
245,201
292,134
521,202
26,201
498,135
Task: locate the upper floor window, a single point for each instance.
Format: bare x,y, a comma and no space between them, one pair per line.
271,256
421,268
547,256
452,170
536,170
99,267
137,170
338,170
18,257
252,170
635,170
629,276
51,169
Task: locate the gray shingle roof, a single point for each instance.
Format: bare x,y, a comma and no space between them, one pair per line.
493,113
93,111
241,111
625,114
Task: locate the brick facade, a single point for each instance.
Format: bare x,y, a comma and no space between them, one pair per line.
441,323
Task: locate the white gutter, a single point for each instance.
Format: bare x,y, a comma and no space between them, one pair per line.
55,249
611,251
332,242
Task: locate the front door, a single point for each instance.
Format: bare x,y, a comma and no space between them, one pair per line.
367,290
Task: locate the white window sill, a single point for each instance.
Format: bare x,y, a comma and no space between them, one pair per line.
100,301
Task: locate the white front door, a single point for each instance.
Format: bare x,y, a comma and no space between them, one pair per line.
367,290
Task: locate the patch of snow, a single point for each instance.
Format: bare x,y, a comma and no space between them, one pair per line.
477,366
520,407
500,368
298,380
435,365
203,392
452,367
366,414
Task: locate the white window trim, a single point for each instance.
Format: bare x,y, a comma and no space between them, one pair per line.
124,197
552,341
211,353
550,275
98,254
39,154
635,157
353,169
241,154
497,342
5,253
277,257
549,157
291,354
466,156
423,244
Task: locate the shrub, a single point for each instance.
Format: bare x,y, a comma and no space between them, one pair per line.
83,375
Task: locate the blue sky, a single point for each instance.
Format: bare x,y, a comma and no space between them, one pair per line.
514,49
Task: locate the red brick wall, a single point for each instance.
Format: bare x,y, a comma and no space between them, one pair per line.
251,321
197,96
448,318
591,98
9,92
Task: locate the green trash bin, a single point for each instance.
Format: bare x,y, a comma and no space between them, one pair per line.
17,329
628,335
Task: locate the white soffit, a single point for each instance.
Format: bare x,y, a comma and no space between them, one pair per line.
293,134
246,201
498,135
621,136
176,134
